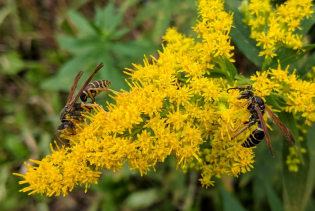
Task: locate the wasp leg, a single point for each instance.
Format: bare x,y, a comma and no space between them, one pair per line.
104,89
234,130
241,131
91,96
56,135
93,106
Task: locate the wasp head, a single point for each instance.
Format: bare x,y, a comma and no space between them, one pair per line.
66,128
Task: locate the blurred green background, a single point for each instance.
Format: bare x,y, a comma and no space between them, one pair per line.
43,45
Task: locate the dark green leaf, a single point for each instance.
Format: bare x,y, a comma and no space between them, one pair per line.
286,57
294,182
83,25
310,147
306,66
289,121
274,202
229,202
240,34
306,24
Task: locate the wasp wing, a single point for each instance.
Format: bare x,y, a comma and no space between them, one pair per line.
85,85
73,87
282,127
264,127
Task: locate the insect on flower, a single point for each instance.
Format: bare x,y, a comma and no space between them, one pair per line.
72,113
256,106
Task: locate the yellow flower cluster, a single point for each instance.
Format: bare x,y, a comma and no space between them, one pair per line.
273,28
173,107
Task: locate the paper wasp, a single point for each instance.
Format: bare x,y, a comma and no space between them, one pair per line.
256,106
72,113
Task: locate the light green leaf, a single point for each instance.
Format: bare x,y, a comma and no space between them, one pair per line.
226,68
128,3
4,12
107,20
64,79
133,51
83,25
11,63
78,46
141,199
119,33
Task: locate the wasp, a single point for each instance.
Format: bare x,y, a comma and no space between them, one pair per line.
73,112
257,107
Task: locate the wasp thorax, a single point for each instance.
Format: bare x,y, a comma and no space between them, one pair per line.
83,97
245,95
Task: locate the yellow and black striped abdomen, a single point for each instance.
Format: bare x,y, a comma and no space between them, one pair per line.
254,138
91,88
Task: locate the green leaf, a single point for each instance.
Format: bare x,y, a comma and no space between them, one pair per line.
141,199
132,51
14,145
306,66
289,121
306,24
83,25
64,79
310,147
78,46
229,202
286,57
227,68
149,11
119,33
240,34
107,20
128,3
163,20
241,80
11,63
294,182
4,12
274,202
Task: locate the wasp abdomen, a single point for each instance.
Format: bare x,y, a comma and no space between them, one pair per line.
90,88
254,138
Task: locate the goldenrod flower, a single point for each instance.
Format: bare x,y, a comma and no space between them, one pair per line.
272,28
